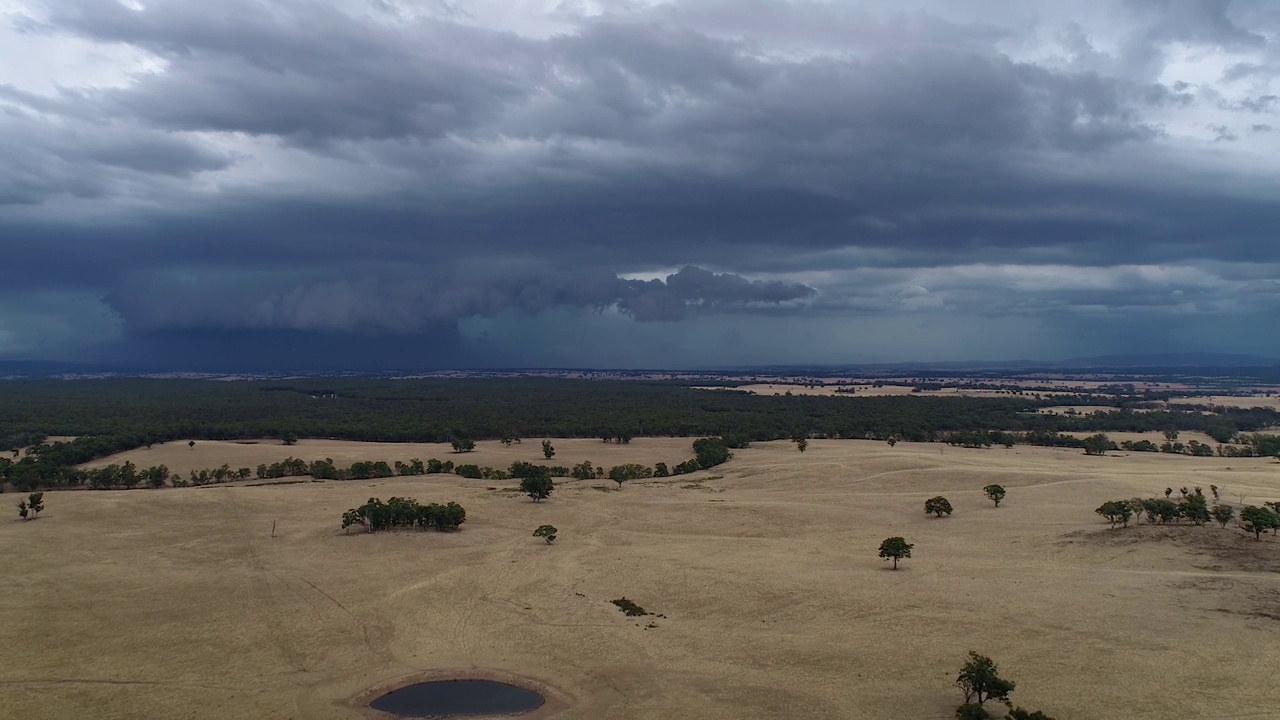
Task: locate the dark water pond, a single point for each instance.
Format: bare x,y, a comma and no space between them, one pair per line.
458,698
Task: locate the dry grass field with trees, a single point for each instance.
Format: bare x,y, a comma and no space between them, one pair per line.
761,582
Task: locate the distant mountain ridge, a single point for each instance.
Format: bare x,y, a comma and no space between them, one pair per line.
1171,360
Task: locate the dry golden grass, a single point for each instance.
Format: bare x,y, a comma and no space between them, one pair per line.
179,604
870,390
1231,401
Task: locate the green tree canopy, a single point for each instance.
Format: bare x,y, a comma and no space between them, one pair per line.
995,493
980,681
895,549
937,506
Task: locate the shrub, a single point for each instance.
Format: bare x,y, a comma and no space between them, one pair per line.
972,711
938,506
547,450
629,608
469,471
546,532
583,471
1020,714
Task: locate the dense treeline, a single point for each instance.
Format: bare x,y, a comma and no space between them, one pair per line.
34,471
133,412
110,416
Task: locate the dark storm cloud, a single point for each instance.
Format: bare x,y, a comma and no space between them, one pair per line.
349,167
393,301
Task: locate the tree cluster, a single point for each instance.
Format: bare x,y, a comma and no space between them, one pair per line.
404,513
1193,506
31,507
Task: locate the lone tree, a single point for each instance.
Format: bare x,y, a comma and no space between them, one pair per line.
289,438
937,506
546,532
506,440
1258,520
1224,514
1116,511
191,444
547,450
802,444
980,681
463,445
895,548
537,486
995,492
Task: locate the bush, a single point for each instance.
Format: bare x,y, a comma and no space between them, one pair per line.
546,532
629,608
1020,714
583,471
937,506
469,471
972,711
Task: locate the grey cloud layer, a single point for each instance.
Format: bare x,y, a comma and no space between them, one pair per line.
398,303
283,150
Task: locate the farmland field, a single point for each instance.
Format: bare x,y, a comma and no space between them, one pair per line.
768,599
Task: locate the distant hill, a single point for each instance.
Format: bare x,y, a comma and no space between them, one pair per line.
1169,360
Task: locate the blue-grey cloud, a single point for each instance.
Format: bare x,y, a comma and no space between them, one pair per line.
397,168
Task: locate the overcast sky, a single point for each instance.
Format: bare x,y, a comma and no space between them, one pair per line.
379,183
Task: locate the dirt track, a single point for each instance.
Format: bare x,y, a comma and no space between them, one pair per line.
179,603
